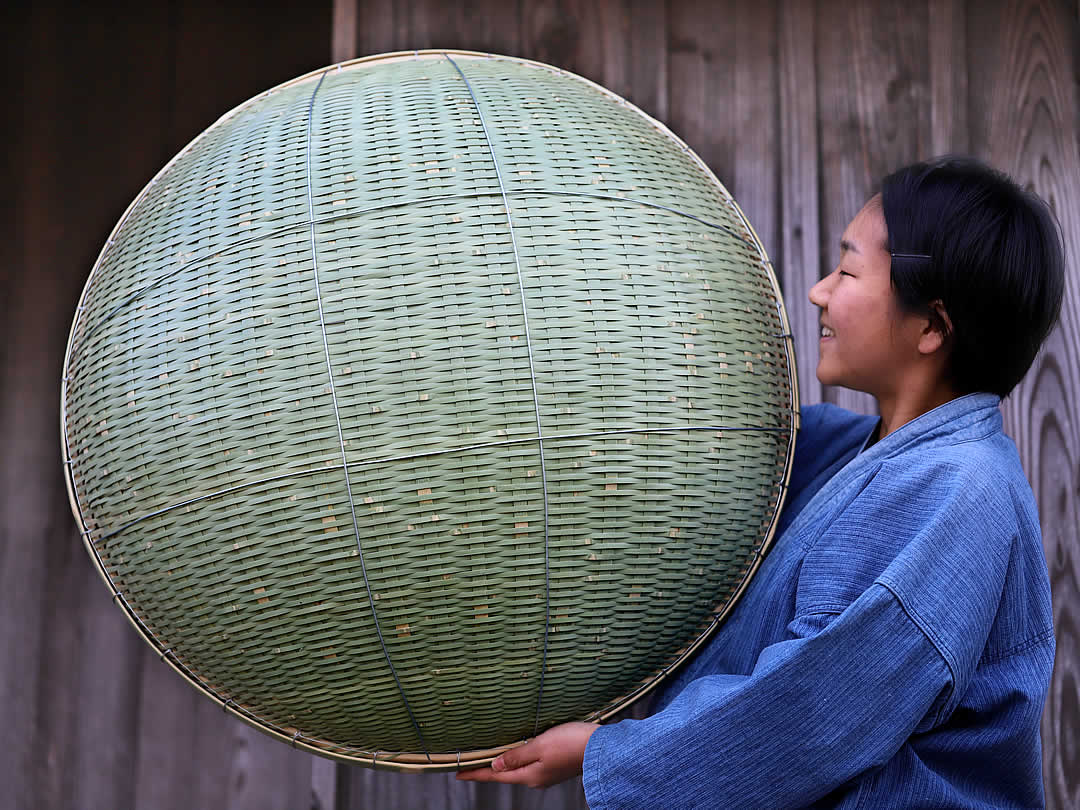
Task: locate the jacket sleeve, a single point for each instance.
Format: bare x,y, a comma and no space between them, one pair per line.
859,670
839,697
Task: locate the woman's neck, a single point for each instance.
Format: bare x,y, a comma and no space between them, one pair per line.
911,403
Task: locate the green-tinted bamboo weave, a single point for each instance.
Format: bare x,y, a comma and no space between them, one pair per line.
326,293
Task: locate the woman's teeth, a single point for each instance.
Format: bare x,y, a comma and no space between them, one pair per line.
826,332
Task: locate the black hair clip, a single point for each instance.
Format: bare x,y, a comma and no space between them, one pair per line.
911,256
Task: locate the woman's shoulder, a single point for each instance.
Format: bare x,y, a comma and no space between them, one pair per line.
952,527
971,470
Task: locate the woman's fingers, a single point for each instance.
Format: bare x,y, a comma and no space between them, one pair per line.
505,767
517,757
552,757
518,776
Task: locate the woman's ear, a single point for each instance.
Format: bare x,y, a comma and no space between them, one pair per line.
937,330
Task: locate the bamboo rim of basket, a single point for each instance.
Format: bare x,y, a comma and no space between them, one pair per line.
415,761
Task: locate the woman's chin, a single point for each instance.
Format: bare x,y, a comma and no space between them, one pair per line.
825,377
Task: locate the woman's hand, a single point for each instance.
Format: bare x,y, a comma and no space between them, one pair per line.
553,757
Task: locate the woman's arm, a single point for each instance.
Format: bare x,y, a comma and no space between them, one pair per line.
817,712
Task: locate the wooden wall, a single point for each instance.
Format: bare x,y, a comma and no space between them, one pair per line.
798,106
101,95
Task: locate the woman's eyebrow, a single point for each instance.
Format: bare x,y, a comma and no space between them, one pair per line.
845,246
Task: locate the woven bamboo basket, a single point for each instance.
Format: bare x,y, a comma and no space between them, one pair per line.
425,402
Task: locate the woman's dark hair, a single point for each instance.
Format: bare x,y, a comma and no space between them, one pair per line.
966,234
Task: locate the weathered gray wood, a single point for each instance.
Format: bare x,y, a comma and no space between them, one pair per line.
323,784
169,718
489,26
97,115
947,40
756,179
702,63
591,36
552,29
68,661
874,115
1024,100
799,261
27,476
265,774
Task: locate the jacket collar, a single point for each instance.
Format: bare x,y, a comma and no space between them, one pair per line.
960,419
963,419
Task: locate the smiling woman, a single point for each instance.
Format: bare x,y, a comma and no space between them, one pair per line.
869,341
897,644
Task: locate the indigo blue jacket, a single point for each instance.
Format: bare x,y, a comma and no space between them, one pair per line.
893,651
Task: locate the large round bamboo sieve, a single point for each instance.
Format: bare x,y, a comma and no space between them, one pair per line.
427,401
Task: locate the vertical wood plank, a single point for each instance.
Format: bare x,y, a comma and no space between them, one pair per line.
756,111
225,54
591,37
378,29
323,784
28,476
947,43
799,260
874,113
487,26
431,24
265,774
647,57
343,33
405,791
168,717
620,44
702,64
69,663
569,795
107,678
21,560
1024,108
490,26
95,119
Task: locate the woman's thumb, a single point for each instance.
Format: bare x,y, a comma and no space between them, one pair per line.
514,758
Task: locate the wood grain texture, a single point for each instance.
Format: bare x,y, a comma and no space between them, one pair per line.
27,473
621,44
947,45
1024,105
701,61
799,262
647,56
874,114
488,26
68,663
99,113
756,110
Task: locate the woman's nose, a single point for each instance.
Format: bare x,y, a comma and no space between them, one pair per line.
818,294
